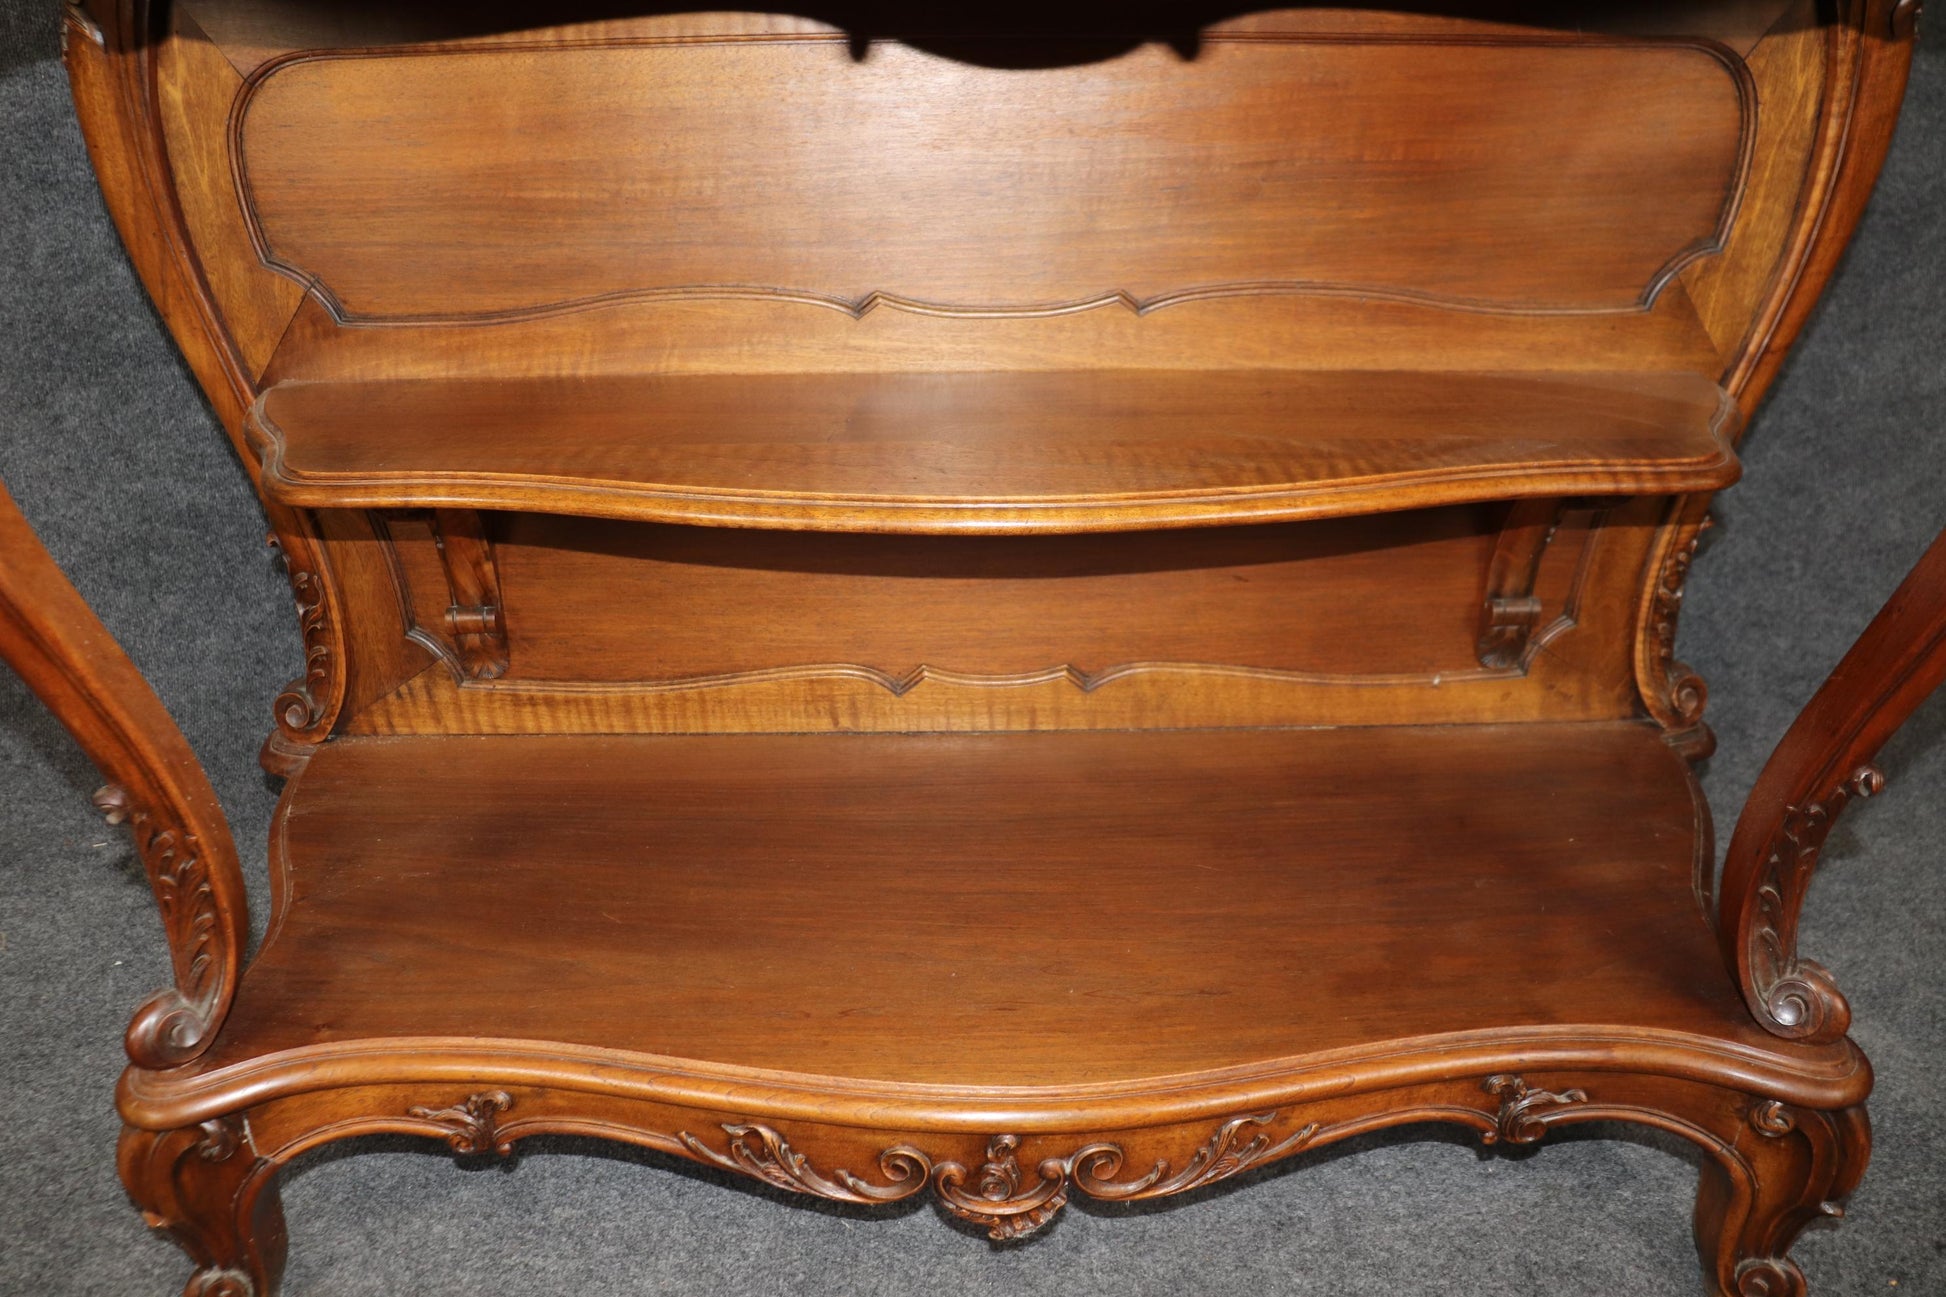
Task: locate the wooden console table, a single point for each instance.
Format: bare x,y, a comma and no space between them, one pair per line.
1022,603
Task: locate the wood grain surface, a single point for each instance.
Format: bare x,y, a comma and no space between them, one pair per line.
991,452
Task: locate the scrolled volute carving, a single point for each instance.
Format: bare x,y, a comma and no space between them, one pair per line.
220,1283
764,1153
1770,1277
472,1126
1676,693
177,1023
1797,998
1524,1110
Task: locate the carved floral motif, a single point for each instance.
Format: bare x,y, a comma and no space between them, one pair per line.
472,1126
1798,997
1521,1119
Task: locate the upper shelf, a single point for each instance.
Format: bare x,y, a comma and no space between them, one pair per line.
991,452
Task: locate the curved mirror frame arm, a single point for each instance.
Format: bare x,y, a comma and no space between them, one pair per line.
1823,762
155,786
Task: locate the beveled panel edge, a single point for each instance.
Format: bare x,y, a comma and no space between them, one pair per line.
860,306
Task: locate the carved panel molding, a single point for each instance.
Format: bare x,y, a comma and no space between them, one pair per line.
252,128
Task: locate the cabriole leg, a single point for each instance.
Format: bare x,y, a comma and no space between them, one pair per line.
1791,1166
216,1198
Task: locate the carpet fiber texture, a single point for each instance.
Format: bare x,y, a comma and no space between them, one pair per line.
109,448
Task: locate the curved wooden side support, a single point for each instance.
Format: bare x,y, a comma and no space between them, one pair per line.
155,786
110,47
1867,64
1770,1167
1822,763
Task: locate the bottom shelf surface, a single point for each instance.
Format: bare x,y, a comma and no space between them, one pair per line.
999,910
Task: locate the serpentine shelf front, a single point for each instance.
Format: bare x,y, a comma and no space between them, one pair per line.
991,452
1059,926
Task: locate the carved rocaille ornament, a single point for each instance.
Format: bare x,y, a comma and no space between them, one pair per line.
472,1126
1001,1195
1524,1111
173,1026
1006,1198
1798,998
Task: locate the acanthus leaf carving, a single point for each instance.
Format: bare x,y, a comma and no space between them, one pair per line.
1006,1198
473,1125
1219,1159
764,1153
174,1025
1798,997
1524,1111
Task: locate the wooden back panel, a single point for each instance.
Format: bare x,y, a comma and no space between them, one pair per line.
406,187
369,191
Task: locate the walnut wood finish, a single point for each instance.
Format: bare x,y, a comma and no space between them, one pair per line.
990,452
1314,413
1822,763
155,786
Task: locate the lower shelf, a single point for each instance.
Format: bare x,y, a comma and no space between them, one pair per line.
1000,910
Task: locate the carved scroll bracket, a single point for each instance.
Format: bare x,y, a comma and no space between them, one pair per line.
308,706
1795,997
176,1024
1512,612
1675,694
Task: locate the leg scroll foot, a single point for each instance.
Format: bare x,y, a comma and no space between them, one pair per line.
216,1198
1785,1169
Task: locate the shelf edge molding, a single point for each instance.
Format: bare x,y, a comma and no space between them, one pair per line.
1174,449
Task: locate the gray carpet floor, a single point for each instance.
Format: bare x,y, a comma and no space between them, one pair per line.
110,450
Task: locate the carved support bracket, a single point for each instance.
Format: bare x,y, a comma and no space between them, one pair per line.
155,786
1511,612
308,706
1822,764
1674,693
1799,997
473,617
177,1024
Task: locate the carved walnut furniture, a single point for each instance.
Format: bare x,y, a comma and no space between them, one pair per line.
1022,603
